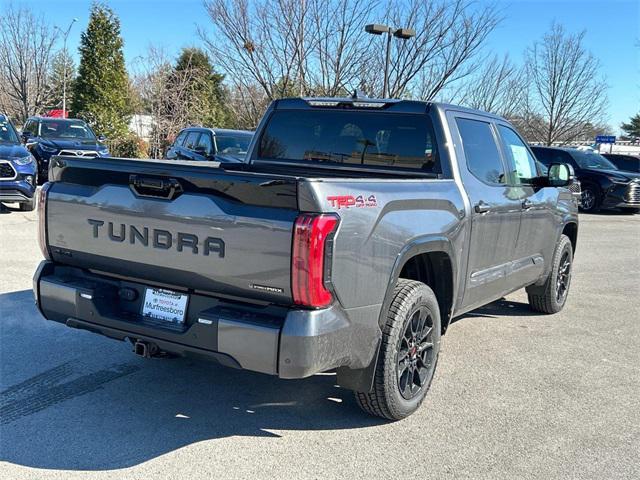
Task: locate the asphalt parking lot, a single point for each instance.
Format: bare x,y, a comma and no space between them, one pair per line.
516,394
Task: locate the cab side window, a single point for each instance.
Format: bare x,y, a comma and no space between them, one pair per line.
481,151
204,144
180,138
31,128
192,140
521,164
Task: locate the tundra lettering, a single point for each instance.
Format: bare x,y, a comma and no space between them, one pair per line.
360,229
161,239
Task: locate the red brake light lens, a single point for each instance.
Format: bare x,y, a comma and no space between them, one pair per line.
310,266
42,220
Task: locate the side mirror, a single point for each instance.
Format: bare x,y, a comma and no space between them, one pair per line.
101,138
560,175
25,137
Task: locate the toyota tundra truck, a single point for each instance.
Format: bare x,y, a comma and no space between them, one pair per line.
352,234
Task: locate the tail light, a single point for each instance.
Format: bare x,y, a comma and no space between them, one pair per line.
42,220
311,259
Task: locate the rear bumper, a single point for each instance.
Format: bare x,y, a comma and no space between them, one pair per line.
289,343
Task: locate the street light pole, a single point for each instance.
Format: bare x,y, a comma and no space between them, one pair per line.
64,68
403,33
385,84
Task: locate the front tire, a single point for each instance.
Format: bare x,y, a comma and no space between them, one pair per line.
552,295
591,199
408,353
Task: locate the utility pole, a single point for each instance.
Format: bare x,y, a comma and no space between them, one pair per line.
403,33
64,68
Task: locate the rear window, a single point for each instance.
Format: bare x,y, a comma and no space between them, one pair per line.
233,144
353,138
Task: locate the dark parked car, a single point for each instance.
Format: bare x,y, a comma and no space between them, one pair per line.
46,137
217,144
629,163
17,168
603,184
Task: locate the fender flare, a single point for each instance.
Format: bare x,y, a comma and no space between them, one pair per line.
361,380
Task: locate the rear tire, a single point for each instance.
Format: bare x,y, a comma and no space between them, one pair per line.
552,295
408,353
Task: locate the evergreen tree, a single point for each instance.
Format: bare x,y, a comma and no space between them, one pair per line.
204,92
632,128
101,91
61,65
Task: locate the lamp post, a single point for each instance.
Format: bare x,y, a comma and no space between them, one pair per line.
403,33
64,68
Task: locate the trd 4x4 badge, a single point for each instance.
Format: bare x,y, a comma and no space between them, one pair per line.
346,201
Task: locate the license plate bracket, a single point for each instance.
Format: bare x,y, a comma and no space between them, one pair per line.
165,305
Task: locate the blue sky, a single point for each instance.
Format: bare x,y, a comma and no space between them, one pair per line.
612,26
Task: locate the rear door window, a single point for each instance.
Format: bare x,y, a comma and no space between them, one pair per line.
481,151
392,141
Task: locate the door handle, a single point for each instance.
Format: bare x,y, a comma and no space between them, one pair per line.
155,187
482,207
527,204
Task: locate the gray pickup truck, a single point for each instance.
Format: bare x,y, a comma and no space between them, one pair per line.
350,236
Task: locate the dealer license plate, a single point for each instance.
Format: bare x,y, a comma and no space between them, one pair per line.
165,305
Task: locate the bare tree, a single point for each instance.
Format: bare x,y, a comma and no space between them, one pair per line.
449,35
340,49
26,48
164,93
319,47
566,92
498,86
246,104
258,42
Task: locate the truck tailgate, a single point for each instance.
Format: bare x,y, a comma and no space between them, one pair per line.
180,224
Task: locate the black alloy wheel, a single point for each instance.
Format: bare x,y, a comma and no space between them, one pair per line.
564,277
415,354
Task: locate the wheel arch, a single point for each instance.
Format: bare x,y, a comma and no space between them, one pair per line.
429,260
424,257
570,229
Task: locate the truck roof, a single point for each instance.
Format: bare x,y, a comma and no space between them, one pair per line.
396,104
217,131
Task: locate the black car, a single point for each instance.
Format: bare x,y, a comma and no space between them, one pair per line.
603,184
629,163
217,144
46,137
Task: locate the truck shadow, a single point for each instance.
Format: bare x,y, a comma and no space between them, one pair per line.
500,308
74,400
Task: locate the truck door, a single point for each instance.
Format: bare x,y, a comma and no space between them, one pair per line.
538,225
495,215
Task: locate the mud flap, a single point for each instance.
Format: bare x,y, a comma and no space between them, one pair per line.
360,379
